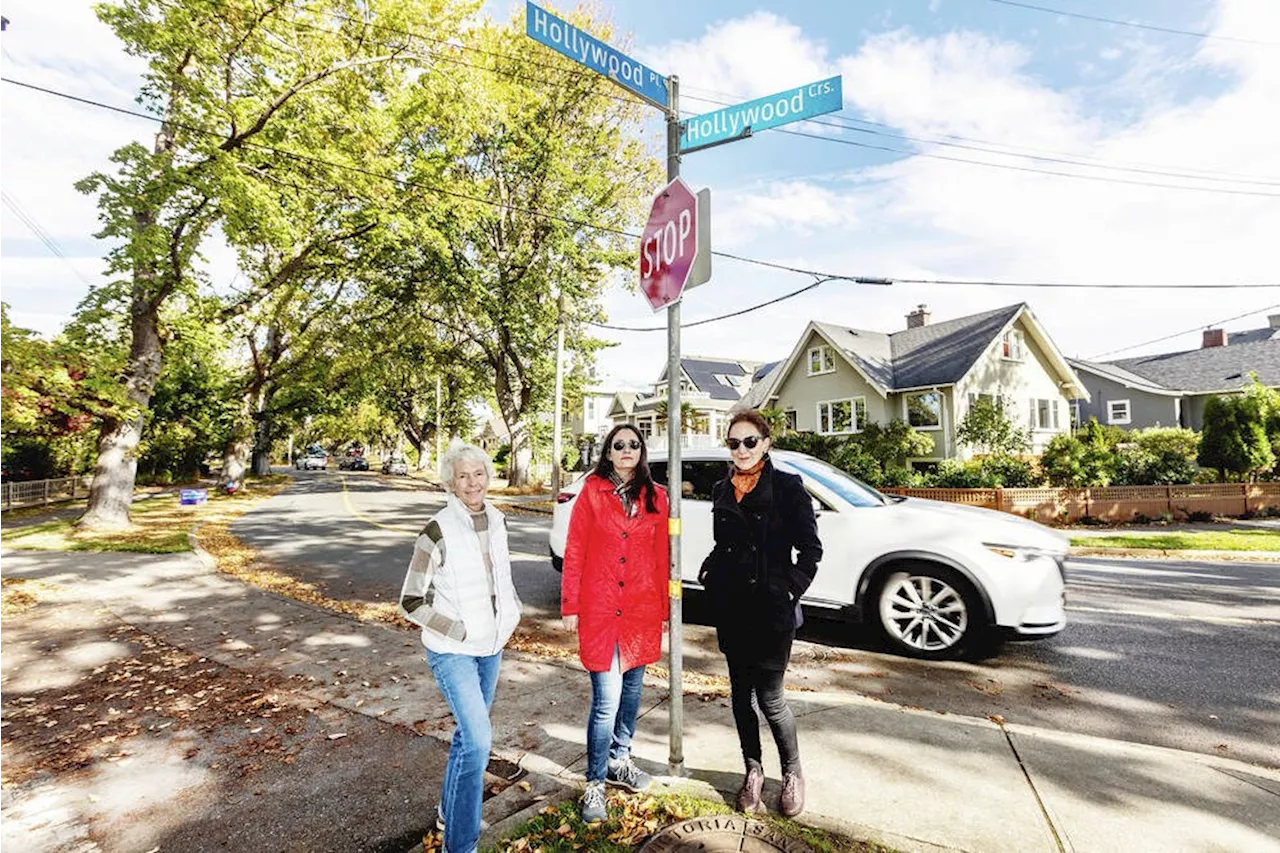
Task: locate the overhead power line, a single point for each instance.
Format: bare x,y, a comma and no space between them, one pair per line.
1047,158
44,236
1134,24
821,275
449,46
1184,332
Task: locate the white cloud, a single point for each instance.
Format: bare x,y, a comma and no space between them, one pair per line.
727,60
929,218
50,143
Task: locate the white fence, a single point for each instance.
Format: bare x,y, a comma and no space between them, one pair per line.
690,442
33,492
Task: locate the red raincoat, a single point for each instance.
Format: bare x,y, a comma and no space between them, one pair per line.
615,577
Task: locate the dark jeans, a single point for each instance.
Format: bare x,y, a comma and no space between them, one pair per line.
751,687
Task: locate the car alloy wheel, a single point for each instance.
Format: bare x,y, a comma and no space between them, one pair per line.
927,611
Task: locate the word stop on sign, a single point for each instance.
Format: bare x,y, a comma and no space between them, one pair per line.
662,249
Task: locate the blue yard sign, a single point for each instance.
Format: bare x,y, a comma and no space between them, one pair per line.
562,36
736,122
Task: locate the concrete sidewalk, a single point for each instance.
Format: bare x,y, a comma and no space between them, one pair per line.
909,779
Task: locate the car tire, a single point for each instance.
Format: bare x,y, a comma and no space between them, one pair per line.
925,610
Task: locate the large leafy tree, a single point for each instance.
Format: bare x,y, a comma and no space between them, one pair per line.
243,90
543,154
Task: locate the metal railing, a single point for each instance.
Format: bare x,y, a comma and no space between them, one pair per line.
35,492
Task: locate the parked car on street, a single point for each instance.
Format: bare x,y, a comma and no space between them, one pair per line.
357,463
935,579
311,461
396,465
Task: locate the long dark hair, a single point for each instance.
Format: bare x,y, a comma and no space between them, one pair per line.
641,480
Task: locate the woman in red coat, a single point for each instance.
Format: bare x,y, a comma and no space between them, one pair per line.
614,594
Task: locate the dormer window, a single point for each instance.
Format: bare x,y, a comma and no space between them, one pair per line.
1012,347
821,360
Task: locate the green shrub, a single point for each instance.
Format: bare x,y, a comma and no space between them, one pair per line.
1158,456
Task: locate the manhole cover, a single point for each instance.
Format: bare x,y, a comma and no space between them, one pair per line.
723,833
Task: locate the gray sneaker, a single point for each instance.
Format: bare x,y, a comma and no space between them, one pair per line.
594,806
624,773
484,824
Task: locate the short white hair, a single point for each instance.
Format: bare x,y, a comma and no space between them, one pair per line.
460,451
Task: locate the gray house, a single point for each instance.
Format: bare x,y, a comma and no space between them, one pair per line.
838,379
1170,389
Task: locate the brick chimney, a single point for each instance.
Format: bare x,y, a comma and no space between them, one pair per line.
1214,338
918,317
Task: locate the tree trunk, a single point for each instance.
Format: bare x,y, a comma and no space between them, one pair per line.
116,469
235,458
262,432
520,457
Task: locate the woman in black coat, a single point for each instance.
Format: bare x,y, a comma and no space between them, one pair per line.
754,586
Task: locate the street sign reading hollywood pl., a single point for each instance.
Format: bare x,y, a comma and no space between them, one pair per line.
669,244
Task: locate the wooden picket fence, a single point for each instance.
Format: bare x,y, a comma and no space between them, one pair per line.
1113,503
34,492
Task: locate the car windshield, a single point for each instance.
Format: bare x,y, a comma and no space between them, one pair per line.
855,492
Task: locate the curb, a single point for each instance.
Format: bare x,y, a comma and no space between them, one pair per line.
1167,554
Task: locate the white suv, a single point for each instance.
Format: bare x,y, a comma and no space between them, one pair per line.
934,578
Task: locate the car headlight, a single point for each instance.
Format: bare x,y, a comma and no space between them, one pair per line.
1022,553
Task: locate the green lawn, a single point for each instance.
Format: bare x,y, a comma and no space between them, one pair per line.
160,524
1197,540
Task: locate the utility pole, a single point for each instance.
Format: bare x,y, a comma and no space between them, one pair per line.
558,410
439,426
675,477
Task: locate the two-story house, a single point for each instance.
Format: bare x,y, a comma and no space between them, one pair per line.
1170,389
838,379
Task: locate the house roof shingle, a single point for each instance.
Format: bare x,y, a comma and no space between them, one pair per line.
935,354
1211,369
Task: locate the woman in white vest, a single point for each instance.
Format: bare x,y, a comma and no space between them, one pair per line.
459,590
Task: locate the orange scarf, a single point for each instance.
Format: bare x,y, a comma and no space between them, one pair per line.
745,481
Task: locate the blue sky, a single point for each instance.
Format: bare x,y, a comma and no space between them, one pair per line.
978,73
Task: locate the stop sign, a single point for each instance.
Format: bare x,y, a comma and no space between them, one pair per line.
669,244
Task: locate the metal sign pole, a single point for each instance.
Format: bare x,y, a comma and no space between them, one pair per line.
675,477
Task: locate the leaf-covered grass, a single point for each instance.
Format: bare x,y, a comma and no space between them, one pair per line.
1198,540
18,595
633,819
159,524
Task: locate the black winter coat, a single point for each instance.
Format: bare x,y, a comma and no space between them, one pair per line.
752,582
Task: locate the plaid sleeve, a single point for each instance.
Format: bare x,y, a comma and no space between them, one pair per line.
417,596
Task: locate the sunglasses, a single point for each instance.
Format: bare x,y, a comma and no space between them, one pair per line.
750,441
623,445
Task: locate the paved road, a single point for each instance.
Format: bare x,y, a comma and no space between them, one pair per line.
1173,654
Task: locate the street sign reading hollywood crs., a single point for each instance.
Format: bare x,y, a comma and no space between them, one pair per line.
669,244
741,120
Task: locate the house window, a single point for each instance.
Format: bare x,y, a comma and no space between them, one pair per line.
646,429
1118,412
726,379
1044,414
842,416
591,409
1076,418
924,410
1011,345
789,419
821,360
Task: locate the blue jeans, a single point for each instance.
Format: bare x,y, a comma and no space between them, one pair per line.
615,702
468,684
